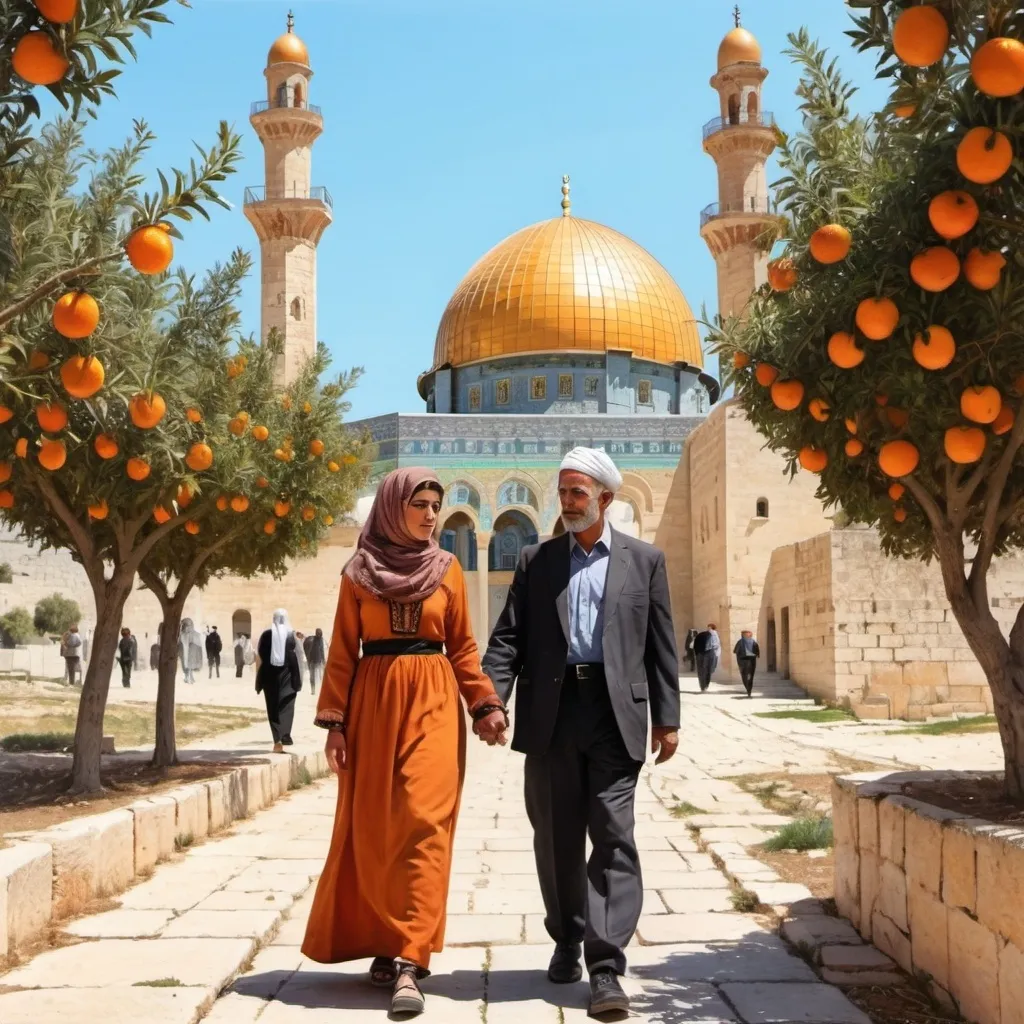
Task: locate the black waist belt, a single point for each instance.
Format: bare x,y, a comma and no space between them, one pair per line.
588,671
373,648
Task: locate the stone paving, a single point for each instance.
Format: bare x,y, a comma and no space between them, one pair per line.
215,935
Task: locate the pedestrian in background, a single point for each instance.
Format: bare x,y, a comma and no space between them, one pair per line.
747,652
126,651
71,652
190,650
707,648
214,645
277,678
316,658
688,651
300,656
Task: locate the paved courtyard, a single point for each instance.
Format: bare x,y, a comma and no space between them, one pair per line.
216,934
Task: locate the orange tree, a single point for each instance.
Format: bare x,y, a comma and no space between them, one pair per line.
285,469
886,353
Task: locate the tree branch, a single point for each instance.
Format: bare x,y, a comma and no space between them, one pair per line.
44,289
81,537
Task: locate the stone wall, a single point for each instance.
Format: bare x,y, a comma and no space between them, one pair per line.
941,893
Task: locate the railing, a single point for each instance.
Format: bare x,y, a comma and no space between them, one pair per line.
765,119
278,104
752,204
262,194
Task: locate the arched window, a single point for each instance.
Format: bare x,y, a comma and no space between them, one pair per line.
762,508
461,493
512,532
734,109
515,493
752,107
459,537
241,622
298,96
296,308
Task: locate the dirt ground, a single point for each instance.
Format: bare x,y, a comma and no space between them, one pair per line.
979,797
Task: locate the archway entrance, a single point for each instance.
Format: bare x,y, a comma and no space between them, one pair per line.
512,532
459,537
241,622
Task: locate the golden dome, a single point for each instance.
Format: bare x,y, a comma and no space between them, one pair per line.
567,285
288,48
738,47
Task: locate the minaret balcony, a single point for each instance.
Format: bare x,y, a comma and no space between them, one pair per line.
285,103
753,207
262,194
765,119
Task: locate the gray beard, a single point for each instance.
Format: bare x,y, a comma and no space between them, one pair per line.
586,521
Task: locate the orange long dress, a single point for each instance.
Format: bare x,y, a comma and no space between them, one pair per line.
384,887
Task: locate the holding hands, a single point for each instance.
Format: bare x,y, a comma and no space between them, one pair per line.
490,723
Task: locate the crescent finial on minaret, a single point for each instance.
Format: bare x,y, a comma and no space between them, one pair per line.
566,203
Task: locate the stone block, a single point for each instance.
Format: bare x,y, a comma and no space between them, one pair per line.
891,831
26,875
154,832
891,940
1011,984
218,809
186,814
959,869
237,794
924,678
855,958
281,774
861,979
924,852
75,859
845,815
973,967
4,941
867,826
928,934
892,895
116,846
255,796
815,932
847,884
1000,865
870,881
760,1003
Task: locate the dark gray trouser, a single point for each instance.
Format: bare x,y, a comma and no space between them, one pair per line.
706,665
747,666
586,782
280,702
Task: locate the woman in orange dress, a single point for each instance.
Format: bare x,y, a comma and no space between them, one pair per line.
397,741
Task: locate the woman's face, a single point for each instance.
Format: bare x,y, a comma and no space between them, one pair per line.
421,514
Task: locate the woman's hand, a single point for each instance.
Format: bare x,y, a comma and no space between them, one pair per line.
337,751
491,728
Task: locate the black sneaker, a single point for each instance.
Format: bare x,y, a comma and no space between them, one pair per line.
606,995
565,968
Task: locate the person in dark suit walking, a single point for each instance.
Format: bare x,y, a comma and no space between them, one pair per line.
747,652
587,634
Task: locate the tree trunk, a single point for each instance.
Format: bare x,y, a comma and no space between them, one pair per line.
85,768
1007,682
165,750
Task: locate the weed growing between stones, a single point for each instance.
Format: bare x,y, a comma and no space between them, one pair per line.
684,809
802,834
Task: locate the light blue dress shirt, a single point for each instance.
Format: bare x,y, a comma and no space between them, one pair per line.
587,577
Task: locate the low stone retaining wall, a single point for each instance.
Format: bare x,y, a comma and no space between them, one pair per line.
942,893
51,874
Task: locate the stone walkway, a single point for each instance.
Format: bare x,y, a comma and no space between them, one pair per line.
216,934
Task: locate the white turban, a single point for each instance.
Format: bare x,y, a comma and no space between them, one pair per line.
593,463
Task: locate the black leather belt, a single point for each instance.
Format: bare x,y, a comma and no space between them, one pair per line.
590,672
373,648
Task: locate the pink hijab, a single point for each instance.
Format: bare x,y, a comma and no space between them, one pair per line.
389,562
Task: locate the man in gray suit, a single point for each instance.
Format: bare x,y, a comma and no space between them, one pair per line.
587,634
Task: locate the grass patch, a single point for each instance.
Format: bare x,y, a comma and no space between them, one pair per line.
744,901
303,777
811,715
184,842
978,723
20,742
684,809
158,983
802,834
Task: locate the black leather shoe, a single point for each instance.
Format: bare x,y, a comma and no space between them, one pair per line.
606,995
565,968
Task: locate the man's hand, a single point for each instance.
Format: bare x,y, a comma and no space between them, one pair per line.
664,742
337,751
491,728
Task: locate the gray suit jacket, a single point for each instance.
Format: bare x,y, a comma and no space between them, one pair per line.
530,642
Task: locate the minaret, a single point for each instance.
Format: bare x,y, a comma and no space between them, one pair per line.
739,140
289,215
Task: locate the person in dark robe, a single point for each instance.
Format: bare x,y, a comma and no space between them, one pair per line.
278,679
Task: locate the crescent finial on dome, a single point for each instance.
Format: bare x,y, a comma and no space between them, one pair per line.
736,15
291,21
566,203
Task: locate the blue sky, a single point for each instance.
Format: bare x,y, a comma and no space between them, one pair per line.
448,125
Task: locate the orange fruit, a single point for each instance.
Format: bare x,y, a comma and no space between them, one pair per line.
222,503
307,408
149,249
877,318
184,496
309,513
819,409
147,409
765,375
899,513
904,110
76,315
100,510
6,499
260,433
853,448
953,213
881,400
234,367
6,414
60,12
82,376
983,269
137,468
814,460
984,155
964,445
161,515
243,416
6,469
239,503
282,508
199,457
830,244
37,60
192,527
262,481
898,418
51,416
920,36
1003,423
997,67
935,269
52,455
844,351
851,424
896,491
333,467
21,447
787,394
782,274
106,446
269,527
981,403
935,348
740,360
193,415
898,458
328,520
316,447
236,426
350,460
38,361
